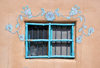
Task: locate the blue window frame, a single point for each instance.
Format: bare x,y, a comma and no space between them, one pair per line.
44,36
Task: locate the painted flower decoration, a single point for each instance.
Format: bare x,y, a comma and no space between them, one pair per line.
21,37
50,16
9,27
79,39
74,10
90,31
27,11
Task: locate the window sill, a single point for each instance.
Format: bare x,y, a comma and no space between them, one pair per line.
50,57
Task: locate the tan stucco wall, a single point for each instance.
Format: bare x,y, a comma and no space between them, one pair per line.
12,50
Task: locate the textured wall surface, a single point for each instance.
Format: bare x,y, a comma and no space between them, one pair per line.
12,50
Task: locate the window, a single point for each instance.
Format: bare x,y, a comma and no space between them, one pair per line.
49,40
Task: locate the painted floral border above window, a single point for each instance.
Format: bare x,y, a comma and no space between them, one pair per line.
50,16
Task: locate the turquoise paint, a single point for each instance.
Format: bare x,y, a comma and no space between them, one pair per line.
43,11
17,25
37,40
57,13
62,24
9,27
37,57
55,56
73,40
79,39
81,19
37,24
59,56
49,41
68,17
26,42
61,40
21,37
90,30
21,18
50,16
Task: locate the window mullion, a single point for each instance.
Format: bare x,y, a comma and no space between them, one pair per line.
49,41
73,40
26,42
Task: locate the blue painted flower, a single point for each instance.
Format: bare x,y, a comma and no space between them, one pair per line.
90,30
74,11
27,12
79,39
50,16
9,27
21,37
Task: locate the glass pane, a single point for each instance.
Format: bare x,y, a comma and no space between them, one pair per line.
37,48
61,32
61,48
37,32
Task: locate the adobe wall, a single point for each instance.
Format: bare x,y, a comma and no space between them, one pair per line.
12,50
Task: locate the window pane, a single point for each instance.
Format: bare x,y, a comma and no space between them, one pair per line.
37,48
66,32
61,48
37,32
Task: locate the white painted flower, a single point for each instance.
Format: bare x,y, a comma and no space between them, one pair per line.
50,16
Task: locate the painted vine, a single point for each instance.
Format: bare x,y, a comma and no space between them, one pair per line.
50,16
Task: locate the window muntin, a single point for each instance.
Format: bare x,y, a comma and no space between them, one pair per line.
51,40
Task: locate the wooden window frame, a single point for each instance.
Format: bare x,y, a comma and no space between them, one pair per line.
49,55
